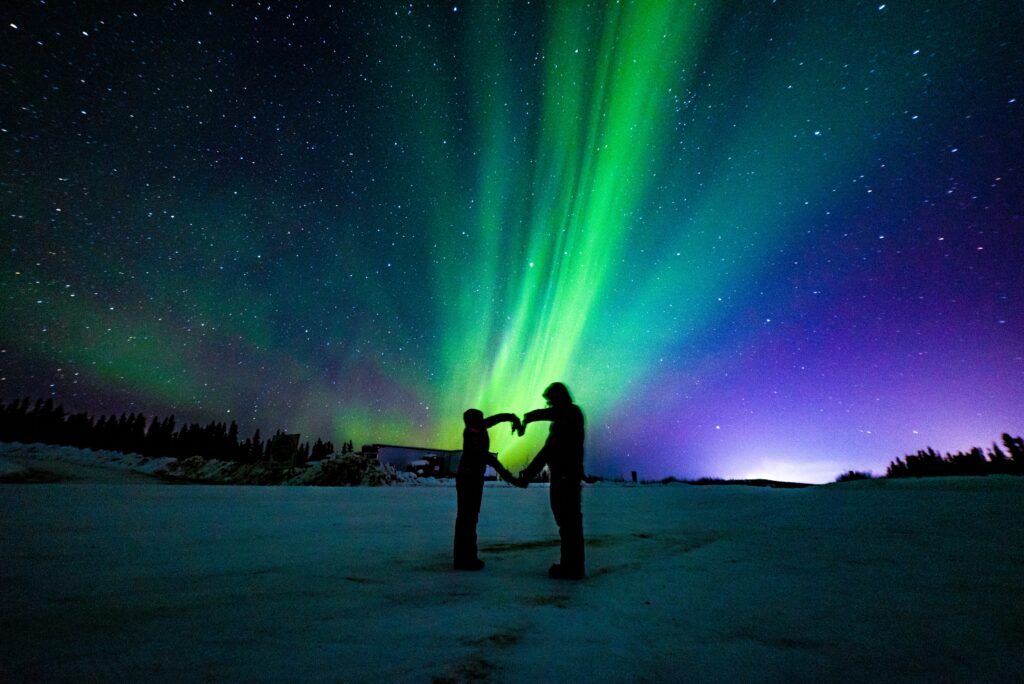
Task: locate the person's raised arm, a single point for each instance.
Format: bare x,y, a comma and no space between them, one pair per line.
538,415
501,418
504,418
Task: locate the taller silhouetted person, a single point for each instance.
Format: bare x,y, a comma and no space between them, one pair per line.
562,453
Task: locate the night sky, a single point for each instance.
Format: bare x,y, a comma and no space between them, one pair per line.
778,239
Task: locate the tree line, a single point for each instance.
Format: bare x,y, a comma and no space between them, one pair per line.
930,463
133,433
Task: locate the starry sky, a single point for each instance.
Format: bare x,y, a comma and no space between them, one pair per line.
755,239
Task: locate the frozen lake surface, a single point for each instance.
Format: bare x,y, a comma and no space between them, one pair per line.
866,581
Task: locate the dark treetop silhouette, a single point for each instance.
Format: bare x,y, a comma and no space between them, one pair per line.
563,454
469,481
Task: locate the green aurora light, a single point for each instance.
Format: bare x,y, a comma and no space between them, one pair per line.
364,224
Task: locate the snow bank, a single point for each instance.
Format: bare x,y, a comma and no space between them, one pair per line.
48,453
11,470
348,469
978,483
337,469
859,582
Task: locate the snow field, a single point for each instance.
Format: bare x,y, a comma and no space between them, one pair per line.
867,581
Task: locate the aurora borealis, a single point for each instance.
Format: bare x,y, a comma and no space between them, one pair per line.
778,239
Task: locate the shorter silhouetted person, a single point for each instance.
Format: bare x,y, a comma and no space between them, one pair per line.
563,455
469,481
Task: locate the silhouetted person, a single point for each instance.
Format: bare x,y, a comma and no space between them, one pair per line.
469,481
563,454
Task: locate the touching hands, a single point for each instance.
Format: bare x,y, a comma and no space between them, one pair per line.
518,426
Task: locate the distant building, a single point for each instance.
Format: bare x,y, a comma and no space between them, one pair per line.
420,460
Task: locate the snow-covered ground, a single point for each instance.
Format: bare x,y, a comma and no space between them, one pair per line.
864,581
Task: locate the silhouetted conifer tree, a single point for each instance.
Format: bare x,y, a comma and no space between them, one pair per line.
1015,447
256,453
44,421
319,451
897,469
232,442
998,463
975,461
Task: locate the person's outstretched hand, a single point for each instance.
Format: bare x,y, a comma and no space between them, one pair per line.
519,482
521,429
517,426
